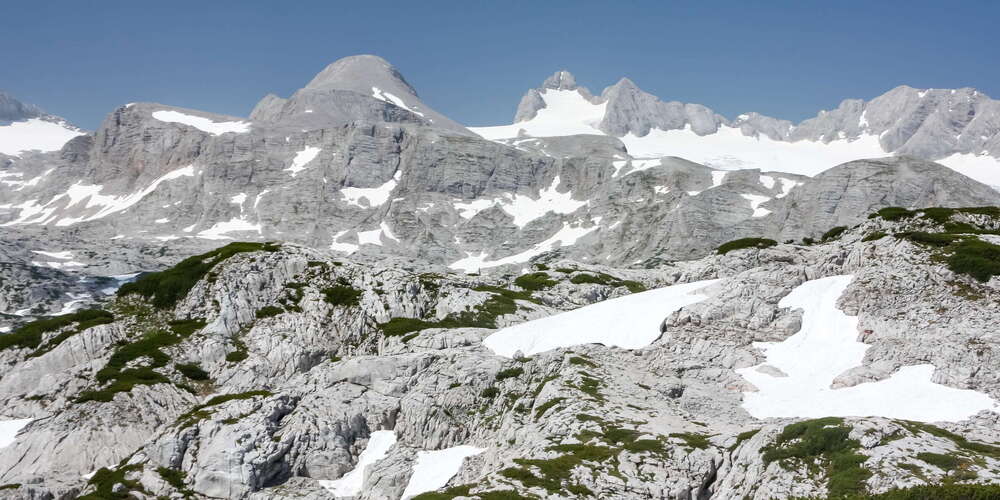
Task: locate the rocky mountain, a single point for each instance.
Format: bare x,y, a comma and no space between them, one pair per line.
279,371
959,128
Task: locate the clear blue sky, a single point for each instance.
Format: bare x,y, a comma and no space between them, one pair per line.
472,60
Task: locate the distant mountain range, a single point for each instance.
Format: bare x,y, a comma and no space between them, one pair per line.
356,162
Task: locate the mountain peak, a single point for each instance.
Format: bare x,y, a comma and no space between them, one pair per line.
361,73
12,109
560,80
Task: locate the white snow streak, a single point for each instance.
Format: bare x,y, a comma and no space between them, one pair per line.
629,322
755,201
203,124
824,348
566,236
566,112
392,99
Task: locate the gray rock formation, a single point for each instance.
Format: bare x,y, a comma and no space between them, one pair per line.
12,110
297,379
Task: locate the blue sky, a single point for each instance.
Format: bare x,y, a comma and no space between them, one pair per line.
472,60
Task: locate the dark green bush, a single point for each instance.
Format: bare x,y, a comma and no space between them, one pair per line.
937,492
483,316
268,311
745,243
342,295
185,327
534,281
29,335
976,258
932,239
169,286
598,279
893,213
823,440
877,235
510,373
490,392
834,233
192,371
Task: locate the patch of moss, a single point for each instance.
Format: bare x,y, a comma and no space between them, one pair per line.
10,486
176,479
185,327
745,243
490,392
743,436
166,288
578,360
960,441
940,460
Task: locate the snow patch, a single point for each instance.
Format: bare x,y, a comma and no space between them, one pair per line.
343,246
825,347
302,158
203,124
219,230
755,201
64,255
566,112
629,322
350,484
10,428
433,469
372,197
35,135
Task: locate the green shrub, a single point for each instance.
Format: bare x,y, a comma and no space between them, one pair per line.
173,477
598,279
509,373
932,239
834,233
168,287
877,235
578,360
490,392
192,371
104,481
534,281
544,407
937,492
944,462
745,243
824,441
976,258
692,439
185,327
29,335
893,213
268,311
483,316
342,295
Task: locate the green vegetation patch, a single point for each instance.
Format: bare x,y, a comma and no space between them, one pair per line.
192,371
117,377
268,311
205,410
535,281
507,373
544,407
745,243
607,279
167,287
104,480
694,440
834,233
939,215
876,235
29,335
483,316
960,441
342,295
822,445
962,254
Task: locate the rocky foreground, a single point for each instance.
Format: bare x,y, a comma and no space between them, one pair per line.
271,371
